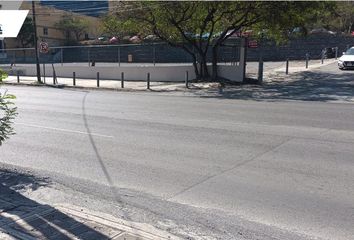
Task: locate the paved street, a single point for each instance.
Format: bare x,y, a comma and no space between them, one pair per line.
229,167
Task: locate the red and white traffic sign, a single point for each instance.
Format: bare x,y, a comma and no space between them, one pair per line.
43,47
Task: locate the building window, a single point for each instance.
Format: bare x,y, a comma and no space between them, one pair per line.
45,31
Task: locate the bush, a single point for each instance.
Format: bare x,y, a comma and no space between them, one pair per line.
7,111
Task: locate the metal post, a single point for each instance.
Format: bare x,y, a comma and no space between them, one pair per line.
260,70
74,79
36,42
322,56
62,56
88,56
122,80
307,60
287,66
119,56
18,76
154,53
54,75
336,52
98,79
44,72
54,78
187,79
148,81
14,58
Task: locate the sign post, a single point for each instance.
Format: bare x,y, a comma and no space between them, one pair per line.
43,48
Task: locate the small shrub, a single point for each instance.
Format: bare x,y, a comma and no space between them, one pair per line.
7,111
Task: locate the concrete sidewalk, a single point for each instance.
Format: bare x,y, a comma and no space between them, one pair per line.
300,66
21,220
113,84
280,67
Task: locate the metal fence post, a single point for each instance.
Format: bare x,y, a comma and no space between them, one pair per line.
74,79
62,56
307,60
187,79
287,66
260,70
98,79
148,80
88,56
336,53
14,58
44,72
154,53
122,80
119,56
18,76
322,56
54,78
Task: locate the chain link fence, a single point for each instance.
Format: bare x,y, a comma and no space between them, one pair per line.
156,53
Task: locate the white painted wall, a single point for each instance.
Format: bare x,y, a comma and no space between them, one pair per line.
168,73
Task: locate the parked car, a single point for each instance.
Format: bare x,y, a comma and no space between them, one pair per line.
346,61
322,31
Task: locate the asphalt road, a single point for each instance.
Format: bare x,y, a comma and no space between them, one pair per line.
285,168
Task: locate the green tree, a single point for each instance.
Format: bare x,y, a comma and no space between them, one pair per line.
73,28
343,18
26,35
201,26
7,112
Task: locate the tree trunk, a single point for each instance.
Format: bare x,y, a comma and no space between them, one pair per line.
214,76
195,65
204,72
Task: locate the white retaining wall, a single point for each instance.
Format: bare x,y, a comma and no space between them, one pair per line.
157,73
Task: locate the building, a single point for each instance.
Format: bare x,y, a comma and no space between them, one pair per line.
47,19
89,8
7,5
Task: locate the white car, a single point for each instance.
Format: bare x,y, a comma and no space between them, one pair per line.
346,61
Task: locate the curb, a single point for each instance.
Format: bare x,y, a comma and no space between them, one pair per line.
139,229
302,69
63,86
120,229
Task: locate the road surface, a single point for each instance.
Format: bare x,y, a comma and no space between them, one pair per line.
227,168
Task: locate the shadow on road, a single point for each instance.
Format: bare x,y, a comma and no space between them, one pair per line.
306,86
24,218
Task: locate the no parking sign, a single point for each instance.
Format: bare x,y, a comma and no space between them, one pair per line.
43,47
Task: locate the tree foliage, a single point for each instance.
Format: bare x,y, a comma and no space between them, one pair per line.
26,34
73,27
202,26
342,18
7,112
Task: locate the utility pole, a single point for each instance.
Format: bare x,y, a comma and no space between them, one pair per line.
36,42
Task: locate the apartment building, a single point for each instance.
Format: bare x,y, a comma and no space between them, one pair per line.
48,30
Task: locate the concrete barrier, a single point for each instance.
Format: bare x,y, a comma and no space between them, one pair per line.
171,73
